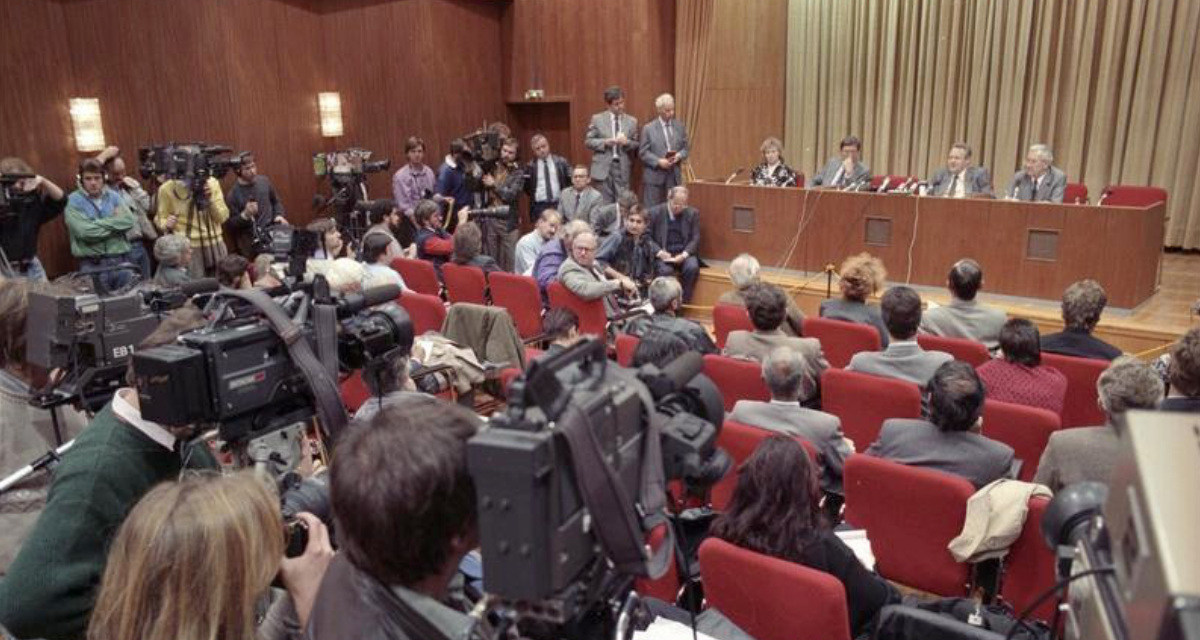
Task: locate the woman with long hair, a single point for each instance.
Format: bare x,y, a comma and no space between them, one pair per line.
775,511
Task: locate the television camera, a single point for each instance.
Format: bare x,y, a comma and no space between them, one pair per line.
192,163
9,193
347,171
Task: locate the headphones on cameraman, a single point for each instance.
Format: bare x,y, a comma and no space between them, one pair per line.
79,171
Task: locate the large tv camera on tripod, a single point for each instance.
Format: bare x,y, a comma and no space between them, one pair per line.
192,163
347,171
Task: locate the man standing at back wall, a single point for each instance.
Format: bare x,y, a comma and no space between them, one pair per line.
612,135
663,149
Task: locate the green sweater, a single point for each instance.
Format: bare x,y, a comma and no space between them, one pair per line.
51,586
95,236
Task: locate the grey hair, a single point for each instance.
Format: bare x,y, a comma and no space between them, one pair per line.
664,291
1082,304
1129,383
169,249
783,371
743,271
661,101
1043,152
675,191
572,229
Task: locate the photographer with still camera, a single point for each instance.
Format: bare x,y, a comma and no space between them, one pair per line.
138,201
27,201
98,225
253,207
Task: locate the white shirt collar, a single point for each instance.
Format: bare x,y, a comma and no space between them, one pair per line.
127,413
786,403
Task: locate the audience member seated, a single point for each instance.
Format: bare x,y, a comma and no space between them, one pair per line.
607,219
433,242
632,251
531,243
783,371
775,511
1087,453
385,219
903,358
675,228
590,280
965,317
233,272
560,326
388,383
666,297
772,171
1183,375
767,305
331,245
861,276
555,252
1082,304
404,511
377,260
1019,375
468,247
174,253
51,586
659,348
264,272
743,272
581,199
951,439
194,559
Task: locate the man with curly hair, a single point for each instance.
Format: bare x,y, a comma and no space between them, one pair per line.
1082,304
1183,374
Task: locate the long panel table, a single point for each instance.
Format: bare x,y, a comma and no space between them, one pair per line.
1026,249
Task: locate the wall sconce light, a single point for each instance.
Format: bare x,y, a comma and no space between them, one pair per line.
329,105
89,129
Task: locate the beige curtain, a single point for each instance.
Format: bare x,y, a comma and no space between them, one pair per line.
693,35
1113,86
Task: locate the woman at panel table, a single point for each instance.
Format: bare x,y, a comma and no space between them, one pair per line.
772,172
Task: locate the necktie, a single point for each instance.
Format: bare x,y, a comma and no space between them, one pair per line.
1033,191
953,185
616,132
546,179
667,135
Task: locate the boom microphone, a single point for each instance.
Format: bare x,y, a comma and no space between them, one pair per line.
734,174
199,286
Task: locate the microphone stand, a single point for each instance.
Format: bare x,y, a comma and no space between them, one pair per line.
45,461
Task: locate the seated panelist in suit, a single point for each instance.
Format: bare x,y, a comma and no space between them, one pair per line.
663,148
767,305
612,135
903,358
1039,180
845,169
675,226
960,178
951,440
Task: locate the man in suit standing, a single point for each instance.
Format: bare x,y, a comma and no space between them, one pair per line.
783,371
612,135
845,169
676,228
1039,181
964,317
951,440
579,201
767,305
960,178
903,358
547,177
663,149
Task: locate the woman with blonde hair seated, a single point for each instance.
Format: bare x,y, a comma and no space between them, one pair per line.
773,172
194,558
861,276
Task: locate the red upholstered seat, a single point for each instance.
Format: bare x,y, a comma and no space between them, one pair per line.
737,379
592,318
626,345
740,441
840,340
427,312
419,275
1079,406
910,515
519,295
863,401
1029,565
465,284
773,599
727,318
1025,429
354,391
969,351
1075,193
666,587
1120,195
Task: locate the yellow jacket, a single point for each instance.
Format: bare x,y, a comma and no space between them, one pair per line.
204,227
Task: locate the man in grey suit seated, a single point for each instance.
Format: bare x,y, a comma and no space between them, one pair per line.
960,178
951,440
783,371
582,275
578,202
608,219
903,358
612,135
767,305
1040,180
666,296
965,317
843,170
663,149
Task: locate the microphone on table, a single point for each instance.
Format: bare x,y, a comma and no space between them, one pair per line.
735,174
884,185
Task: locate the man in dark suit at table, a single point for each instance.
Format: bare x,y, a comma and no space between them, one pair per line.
663,149
675,227
845,169
1040,180
612,135
960,178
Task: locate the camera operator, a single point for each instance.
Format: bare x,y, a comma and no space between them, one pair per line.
177,213
42,201
404,510
503,186
51,586
138,201
253,206
452,180
98,224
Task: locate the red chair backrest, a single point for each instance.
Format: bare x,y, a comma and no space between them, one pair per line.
1120,195
592,318
465,284
740,441
1029,565
893,182
419,275
666,587
1079,406
840,340
1075,193
626,345
730,317
773,599
863,401
519,295
969,351
1025,429
354,391
799,179
737,379
427,312
910,515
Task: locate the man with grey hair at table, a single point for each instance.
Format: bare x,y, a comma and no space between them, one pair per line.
1039,180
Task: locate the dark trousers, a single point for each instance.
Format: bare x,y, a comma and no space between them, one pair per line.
139,256
109,280
687,271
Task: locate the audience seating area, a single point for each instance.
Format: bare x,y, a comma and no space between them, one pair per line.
841,340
